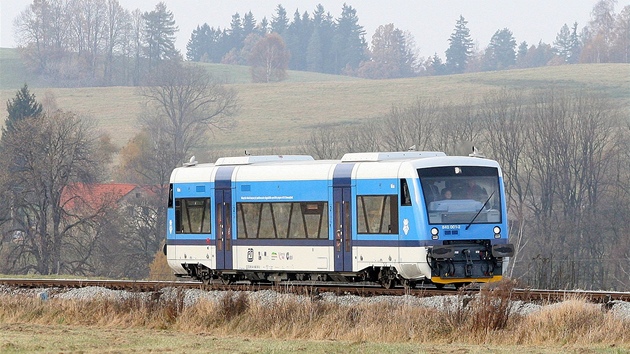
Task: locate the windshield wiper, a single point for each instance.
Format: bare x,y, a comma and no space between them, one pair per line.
479,212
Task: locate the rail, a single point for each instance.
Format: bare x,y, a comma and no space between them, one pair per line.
365,290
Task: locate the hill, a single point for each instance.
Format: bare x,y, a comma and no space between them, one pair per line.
281,115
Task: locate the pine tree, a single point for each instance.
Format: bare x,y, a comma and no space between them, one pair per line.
324,25
249,24
562,44
159,32
521,54
349,45
280,22
21,107
193,47
501,53
236,32
575,45
314,57
460,48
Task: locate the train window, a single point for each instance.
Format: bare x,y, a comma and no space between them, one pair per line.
192,215
170,195
377,214
405,197
282,220
461,195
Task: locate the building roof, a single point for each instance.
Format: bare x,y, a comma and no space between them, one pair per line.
95,196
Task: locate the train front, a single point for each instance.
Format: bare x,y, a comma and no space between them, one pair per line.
466,216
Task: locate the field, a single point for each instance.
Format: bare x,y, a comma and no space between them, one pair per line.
94,320
279,116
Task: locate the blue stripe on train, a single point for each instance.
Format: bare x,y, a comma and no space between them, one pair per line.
313,242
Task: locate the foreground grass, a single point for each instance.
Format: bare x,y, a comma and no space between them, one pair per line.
234,323
28,338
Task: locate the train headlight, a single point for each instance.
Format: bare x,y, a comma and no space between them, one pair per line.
434,233
497,232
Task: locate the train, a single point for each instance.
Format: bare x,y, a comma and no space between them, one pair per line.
388,218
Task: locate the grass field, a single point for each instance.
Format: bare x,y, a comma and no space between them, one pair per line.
236,322
28,338
280,116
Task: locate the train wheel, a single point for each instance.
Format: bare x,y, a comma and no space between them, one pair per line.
439,286
387,278
388,283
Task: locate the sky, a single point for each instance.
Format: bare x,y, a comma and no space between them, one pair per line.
430,22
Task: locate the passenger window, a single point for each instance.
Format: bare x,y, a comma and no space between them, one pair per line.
377,214
192,215
282,220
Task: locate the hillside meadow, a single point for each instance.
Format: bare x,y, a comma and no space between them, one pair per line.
278,117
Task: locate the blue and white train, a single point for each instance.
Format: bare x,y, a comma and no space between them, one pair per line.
384,217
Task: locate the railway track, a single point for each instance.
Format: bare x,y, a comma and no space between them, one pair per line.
364,290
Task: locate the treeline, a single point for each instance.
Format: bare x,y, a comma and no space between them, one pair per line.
565,156
318,42
94,42
97,42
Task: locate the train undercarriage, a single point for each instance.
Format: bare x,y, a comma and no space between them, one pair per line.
387,277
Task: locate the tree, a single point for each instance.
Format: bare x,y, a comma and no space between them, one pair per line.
392,56
184,102
159,33
599,33
22,106
521,54
314,55
320,43
235,33
620,51
249,24
297,39
40,160
501,53
280,22
435,66
118,26
537,56
349,45
269,59
460,48
504,117
567,44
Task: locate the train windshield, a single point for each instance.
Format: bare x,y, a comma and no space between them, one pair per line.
461,195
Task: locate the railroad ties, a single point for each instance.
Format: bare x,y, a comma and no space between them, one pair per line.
314,289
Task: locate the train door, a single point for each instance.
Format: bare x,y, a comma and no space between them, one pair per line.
223,227
343,228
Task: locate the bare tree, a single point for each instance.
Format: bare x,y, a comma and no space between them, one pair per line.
363,137
43,158
323,143
118,26
504,118
184,104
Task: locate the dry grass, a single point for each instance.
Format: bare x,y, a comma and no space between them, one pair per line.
486,319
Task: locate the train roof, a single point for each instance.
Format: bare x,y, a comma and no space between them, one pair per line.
304,167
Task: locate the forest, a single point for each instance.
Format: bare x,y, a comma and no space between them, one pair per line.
100,43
